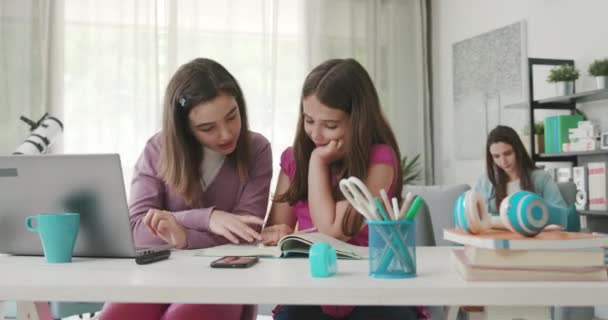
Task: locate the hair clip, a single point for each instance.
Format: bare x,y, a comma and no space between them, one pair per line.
182,102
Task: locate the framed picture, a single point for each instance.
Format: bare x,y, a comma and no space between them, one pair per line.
604,140
489,71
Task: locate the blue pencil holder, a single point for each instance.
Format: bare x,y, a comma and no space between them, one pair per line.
392,249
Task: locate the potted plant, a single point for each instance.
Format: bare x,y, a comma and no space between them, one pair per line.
599,69
411,169
539,137
564,76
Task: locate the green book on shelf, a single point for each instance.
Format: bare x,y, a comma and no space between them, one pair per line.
556,131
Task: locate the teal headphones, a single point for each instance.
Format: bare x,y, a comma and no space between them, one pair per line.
522,212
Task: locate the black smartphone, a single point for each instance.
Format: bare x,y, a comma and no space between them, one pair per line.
153,256
234,262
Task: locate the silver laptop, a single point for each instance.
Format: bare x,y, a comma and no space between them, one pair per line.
91,185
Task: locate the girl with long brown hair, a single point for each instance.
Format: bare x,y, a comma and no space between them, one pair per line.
341,132
202,181
509,168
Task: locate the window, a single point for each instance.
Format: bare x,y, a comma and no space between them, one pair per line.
119,55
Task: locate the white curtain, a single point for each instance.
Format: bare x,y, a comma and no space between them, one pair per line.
389,38
120,54
24,56
116,56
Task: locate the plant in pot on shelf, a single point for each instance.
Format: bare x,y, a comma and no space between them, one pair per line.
599,69
563,76
539,137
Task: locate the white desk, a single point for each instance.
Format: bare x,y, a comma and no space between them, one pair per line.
188,279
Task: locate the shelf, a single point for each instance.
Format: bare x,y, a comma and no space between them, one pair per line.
579,97
549,106
563,102
550,157
554,105
593,212
573,154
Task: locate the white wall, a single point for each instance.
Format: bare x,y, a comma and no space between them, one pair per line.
566,29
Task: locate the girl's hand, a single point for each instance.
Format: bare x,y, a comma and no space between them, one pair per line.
273,234
231,226
164,225
330,152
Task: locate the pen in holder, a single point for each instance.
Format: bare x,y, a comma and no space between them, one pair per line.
392,249
388,238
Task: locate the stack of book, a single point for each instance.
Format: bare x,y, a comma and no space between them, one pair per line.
550,256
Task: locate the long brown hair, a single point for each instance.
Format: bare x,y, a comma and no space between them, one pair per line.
497,176
198,81
345,85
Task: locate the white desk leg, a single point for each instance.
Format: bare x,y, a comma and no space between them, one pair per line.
451,312
1,310
524,313
28,310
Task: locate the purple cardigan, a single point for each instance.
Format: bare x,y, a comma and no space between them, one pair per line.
226,192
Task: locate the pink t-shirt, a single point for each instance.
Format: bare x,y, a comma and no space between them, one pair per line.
379,154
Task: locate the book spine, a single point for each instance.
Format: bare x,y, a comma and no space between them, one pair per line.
596,172
549,134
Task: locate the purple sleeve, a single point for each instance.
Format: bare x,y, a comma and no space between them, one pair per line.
256,191
254,197
196,219
253,200
148,192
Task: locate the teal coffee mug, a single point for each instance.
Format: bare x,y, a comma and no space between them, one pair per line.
58,232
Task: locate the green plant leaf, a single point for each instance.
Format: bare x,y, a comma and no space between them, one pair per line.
539,128
599,68
411,169
564,72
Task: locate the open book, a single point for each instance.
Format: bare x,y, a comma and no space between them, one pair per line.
295,244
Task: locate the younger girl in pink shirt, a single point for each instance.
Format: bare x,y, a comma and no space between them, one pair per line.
341,132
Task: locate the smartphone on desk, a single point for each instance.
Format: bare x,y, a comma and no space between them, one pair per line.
234,262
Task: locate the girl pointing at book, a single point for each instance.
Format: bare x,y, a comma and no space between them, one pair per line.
509,169
341,132
202,181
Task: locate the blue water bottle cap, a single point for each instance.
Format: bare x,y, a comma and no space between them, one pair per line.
323,260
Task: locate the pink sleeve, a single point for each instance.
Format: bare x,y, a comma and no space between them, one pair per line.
288,163
382,154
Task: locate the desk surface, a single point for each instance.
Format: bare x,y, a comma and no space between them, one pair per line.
188,279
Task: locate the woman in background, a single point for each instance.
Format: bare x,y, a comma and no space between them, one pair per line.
509,169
